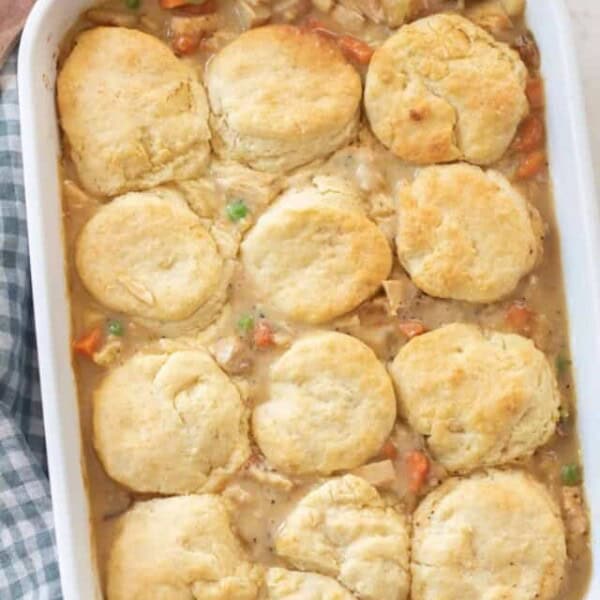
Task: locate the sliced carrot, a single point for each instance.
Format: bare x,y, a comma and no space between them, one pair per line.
535,92
173,3
531,164
418,469
389,450
412,328
530,135
88,343
184,44
519,316
355,50
263,335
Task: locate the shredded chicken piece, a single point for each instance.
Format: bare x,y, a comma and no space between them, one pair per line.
263,475
232,355
105,16
198,25
576,520
255,188
109,353
290,10
348,18
397,293
379,474
252,13
237,494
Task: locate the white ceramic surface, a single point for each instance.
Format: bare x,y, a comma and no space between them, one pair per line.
577,214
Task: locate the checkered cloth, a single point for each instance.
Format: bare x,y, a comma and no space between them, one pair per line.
28,567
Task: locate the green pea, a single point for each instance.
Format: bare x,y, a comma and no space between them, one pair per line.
237,210
570,474
246,323
115,328
562,364
132,4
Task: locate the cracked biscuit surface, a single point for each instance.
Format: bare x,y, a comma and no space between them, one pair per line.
466,234
442,89
179,548
134,115
281,584
480,398
315,255
280,97
344,529
170,423
330,405
496,535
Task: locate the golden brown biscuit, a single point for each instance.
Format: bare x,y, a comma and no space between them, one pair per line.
314,255
466,234
170,423
148,255
344,529
282,584
480,398
443,89
134,115
179,548
496,535
280,97
330,405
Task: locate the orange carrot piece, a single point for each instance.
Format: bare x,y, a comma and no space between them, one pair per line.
355,50
418,469
535,92
185,44
389,450
519,316
412,328
531,164
530,134
88,343
263,335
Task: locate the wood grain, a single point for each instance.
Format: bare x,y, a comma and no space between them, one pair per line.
13,14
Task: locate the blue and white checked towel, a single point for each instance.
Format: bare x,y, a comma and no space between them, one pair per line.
28,567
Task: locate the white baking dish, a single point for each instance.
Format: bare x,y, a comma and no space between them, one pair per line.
577,214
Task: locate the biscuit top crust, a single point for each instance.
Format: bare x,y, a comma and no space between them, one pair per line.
443,89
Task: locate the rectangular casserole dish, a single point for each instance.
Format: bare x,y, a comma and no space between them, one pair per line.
576,212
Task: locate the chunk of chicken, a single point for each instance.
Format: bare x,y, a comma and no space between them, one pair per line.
252,13
233,355
196,26
491,15
379,474
290,10
109,353
112,18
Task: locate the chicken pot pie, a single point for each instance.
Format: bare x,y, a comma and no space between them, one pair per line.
280,296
